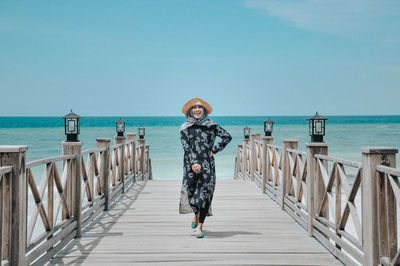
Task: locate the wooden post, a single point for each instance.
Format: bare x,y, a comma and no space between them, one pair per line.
142,144
237,162
121,168
286,174
265,167
132,166
105,170
315,184
15,156
373,216
74,190
253,155
245,157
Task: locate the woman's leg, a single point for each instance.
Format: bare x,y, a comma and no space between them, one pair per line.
202,218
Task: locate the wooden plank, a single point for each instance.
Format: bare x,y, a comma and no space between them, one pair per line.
40,250
146,228
49,160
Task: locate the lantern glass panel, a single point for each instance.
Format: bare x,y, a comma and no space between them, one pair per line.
120,127
71,126
268,127
318,127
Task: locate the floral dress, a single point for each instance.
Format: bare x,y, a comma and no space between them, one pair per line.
198,189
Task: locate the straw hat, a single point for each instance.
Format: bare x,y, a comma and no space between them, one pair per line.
196,101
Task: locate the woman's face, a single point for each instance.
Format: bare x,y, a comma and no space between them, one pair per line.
197,111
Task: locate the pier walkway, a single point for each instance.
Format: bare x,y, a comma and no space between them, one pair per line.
144,227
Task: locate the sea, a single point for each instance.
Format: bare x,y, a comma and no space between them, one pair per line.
345,135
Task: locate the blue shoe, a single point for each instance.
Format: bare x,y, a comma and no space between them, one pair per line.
200,235
194,225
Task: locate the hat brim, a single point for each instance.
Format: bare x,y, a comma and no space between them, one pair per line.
196,101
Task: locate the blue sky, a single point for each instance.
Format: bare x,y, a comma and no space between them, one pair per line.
245,57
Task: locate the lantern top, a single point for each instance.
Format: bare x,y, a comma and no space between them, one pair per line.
71,115
120,120
317,117
269,120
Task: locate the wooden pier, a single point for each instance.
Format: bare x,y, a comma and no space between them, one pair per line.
247,229
284,206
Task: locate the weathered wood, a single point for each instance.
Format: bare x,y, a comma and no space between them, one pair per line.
74,148
131,138
266,168
105,169
253,154
315,186
149,230
34,255
120,140
286,174
373,227
15,156
141,146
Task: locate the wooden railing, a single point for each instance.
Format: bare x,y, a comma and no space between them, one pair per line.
5,213
54,199
350,207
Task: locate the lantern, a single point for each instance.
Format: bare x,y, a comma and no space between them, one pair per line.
71,124
317,127
120,127
246,132
268,126
142,132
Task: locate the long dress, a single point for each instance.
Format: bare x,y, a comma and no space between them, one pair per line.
198,189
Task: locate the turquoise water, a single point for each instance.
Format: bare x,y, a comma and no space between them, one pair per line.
345,136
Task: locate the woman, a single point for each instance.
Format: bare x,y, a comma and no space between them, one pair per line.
198,135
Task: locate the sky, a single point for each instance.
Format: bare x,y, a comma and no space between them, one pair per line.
244,57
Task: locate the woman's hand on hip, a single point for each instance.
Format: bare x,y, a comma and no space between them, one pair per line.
196,168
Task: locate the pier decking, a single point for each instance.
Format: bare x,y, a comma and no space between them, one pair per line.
144,227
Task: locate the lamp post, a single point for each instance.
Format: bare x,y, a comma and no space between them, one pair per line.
142,132
246,132
71,124
268,127
120,127
317,127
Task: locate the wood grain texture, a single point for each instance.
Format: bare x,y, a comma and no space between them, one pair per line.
144,228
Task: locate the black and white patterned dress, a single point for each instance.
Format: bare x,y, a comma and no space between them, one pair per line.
198,189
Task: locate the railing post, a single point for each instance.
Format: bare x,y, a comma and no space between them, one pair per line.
121,169
142,144
315,184
15,156
74,184
265,168
132,165
286,175
245,157
237,162
253,155
105,169
374,217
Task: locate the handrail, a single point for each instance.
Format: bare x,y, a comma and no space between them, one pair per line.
5,170
338,160
49,160
93,151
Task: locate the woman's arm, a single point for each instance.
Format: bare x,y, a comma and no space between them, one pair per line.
225,136
186,147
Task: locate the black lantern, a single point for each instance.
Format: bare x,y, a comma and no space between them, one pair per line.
317,127
71,126
246,132
120,126
268,126
142,132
